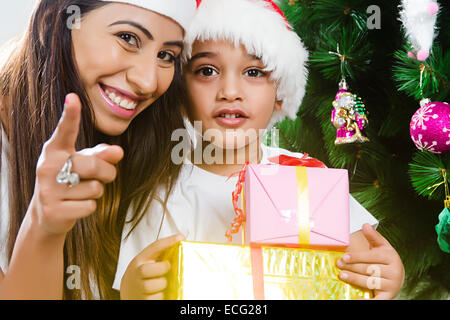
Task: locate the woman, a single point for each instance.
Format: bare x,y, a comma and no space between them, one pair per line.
121,62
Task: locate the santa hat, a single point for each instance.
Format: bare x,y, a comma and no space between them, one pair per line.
181,11
262,28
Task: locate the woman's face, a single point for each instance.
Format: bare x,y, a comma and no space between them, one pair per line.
125,56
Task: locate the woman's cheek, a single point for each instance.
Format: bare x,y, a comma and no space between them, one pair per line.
165,78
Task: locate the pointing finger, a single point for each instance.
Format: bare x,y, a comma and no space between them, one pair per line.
66,133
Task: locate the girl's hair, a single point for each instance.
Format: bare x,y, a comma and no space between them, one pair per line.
34,81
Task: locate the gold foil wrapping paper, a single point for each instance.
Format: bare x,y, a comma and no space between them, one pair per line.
209,271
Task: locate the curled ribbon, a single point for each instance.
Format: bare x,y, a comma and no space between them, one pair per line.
240,216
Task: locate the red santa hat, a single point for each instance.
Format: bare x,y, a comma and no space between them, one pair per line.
264,31
181,11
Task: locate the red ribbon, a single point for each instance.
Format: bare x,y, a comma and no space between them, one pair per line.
240,216
304,161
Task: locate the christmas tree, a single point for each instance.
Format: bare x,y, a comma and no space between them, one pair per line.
365,43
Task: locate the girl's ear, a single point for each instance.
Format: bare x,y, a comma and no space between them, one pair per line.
278,105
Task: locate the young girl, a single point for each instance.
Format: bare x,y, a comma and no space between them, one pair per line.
119,58
245,70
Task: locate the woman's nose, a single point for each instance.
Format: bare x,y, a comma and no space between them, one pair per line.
143,76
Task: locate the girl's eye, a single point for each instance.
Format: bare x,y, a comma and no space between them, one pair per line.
166,56
254,73
130,39
206,72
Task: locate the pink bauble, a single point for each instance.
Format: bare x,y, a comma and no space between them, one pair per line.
430,127
422,55
411,55
433,8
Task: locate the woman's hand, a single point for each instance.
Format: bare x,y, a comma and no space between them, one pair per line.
36,267
56,207
144,278
379,268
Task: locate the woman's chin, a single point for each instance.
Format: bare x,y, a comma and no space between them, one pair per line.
111,129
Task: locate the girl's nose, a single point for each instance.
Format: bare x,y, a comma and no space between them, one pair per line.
230,88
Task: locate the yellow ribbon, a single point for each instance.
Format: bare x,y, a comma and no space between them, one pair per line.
302,206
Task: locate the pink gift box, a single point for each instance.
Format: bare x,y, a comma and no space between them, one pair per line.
297,207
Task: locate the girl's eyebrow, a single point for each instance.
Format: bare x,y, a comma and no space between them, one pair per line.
253,57
203,55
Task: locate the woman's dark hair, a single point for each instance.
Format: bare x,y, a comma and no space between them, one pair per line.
34,81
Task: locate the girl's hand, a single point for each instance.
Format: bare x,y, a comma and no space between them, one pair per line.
56,207
379,268
144,278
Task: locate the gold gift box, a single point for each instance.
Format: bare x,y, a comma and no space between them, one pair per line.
209,271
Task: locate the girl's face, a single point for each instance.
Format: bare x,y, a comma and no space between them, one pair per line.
125,57
227,91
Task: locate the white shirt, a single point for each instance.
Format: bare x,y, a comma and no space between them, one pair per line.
200,208
4,204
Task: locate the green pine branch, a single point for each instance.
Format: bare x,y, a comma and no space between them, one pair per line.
434,73
427,171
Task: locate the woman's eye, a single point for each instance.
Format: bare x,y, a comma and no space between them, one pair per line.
207,72
130,39
254,73
166,56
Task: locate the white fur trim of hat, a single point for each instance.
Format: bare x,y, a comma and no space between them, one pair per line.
262,28
181,11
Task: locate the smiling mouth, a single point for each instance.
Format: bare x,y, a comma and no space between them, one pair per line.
231,115
231,118
119,99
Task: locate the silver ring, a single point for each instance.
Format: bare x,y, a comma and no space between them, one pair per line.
65,176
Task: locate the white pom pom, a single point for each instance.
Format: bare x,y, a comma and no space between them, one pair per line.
419,20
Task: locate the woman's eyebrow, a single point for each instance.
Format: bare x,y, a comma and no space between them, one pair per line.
134,24
175,43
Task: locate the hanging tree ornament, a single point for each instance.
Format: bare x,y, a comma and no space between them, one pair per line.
443,226
430,124
430,127
349,116
419,19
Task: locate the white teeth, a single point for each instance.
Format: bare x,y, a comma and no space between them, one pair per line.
230,116
122,102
